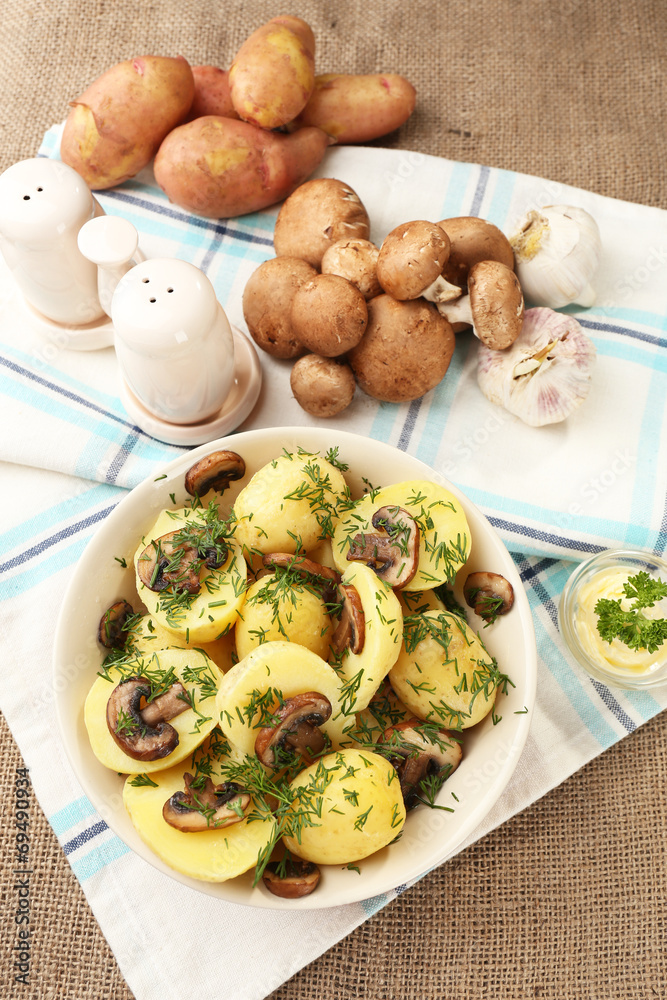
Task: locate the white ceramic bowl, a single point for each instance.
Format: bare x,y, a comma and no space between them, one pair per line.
490,751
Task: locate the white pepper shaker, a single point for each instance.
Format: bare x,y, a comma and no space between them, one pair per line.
173,341
43,205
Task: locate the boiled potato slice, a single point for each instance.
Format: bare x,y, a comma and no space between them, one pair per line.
416,602
148,635
197,673
362,673
283,606
348,805
443,672
445,534
205,616
280,666
289,504
210,855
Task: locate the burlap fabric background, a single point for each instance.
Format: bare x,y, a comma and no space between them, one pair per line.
567,899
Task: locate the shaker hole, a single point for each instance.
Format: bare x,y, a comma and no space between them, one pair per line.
170,289
26,197
40,189
151,300
145,280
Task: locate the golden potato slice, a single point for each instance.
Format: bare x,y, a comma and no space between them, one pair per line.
362,673
283,606
443,672
199,676
148,635
247,692
349,805
210,855
289,505
201,617
445,534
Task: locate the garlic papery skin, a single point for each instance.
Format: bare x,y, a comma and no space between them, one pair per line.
546,373
557,252
442,290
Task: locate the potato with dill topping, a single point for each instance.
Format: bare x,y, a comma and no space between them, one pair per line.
289,504
287,606
346,806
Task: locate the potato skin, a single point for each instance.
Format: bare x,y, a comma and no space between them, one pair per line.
358,108
116,126
212,95
218,167
272,75
405,351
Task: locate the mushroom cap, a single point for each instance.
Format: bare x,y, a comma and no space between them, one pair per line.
316,215
496,303
420,749
356,260
488,594
323,387
473,240
411,257
329,315
405,351
393,551
295,725
139,736
267,304
111,630
300,878
214,472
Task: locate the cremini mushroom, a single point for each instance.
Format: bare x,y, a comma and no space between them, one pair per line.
405,351
473,240
321,386
267,304
144,733
210,807
329,315
355,260
351,630
411,261
294,728
488,594
493,306
111,630
318,214
392,551
417,750
292,878
169,561
214,472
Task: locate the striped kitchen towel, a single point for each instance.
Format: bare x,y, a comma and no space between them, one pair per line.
69,451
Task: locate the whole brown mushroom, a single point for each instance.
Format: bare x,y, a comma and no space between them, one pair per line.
411,261
405,351
329,315
473,240
494,305
319,213
267,304
355,260
323,387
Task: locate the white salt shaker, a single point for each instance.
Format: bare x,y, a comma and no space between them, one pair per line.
43,205
173,341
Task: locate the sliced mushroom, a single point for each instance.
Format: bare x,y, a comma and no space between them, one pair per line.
209,808
322,576
394,551
111,631
291,879
214,472
169,561
351,631
139,737
416,756
294,728
488,594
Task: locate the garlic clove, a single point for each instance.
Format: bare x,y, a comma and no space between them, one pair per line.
557,252
545,375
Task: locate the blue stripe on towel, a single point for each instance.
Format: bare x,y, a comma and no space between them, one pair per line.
101,856
84,837
64,819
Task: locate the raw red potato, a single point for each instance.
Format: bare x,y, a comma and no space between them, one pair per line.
358,108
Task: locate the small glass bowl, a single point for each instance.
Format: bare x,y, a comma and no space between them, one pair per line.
594,654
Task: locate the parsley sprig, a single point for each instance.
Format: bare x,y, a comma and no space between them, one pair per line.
633,628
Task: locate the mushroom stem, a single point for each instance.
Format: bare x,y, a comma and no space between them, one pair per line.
144,734
209,808
459,311
442,290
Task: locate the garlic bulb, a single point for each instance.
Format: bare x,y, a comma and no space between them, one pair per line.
545,374
557,251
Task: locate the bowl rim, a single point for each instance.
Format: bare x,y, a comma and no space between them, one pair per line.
317,439
623,679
